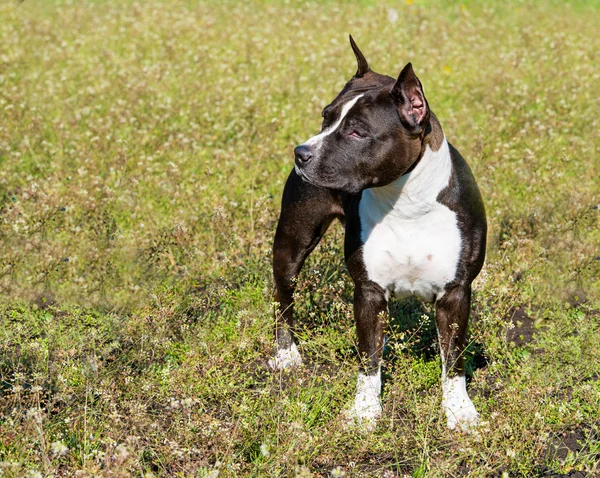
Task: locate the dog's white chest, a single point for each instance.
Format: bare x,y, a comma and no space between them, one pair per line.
411,243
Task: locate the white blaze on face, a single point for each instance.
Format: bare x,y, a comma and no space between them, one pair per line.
317,140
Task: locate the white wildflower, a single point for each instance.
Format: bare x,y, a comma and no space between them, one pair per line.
264,450
59,448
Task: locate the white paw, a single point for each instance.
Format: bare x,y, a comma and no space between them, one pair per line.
464,417
363,416
286,358
459,408
366,409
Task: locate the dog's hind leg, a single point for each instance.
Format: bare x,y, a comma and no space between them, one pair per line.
306,213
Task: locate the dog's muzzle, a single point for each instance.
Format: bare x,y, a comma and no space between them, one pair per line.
303,155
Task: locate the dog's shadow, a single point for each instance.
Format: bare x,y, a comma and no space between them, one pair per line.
412,330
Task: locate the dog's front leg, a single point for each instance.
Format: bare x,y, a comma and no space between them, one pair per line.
306,213
452,317
370,313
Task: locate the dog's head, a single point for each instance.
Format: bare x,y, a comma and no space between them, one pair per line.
372,131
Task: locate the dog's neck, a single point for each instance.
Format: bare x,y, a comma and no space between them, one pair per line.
434,135
414,194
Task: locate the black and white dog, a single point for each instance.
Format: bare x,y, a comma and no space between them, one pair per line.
414,218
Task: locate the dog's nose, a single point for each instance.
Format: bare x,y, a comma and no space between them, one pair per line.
303,154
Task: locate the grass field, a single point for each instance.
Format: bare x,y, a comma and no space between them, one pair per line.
143,152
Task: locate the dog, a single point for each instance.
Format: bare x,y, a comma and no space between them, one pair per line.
415,224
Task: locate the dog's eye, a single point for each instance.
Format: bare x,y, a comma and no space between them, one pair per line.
357,134
326,114
326,122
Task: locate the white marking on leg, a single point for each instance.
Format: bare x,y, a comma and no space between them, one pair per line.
459,408
317,140
367,402
286,358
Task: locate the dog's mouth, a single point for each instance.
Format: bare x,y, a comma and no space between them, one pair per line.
300,172
310,179
331,180
344,188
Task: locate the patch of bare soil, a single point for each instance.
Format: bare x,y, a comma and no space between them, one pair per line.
569,440
572,441
524,327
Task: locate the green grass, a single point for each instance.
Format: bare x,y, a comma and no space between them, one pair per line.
143,152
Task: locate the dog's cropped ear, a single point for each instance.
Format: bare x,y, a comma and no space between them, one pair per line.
363,66
412,105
